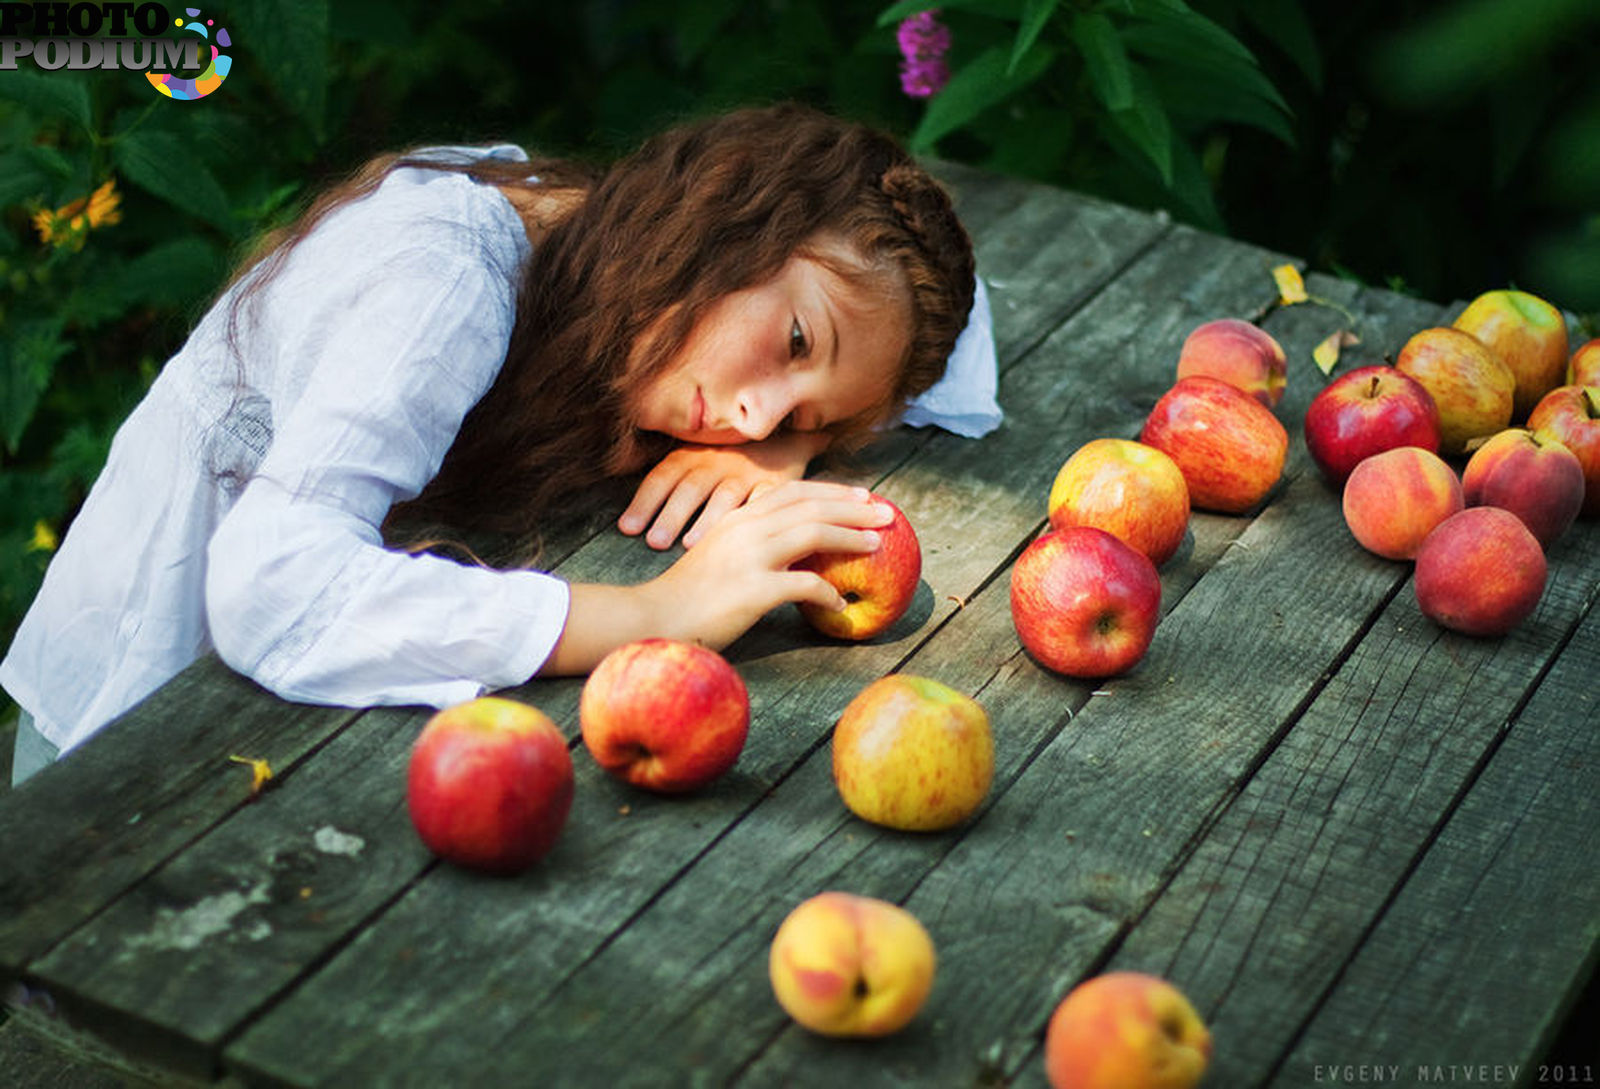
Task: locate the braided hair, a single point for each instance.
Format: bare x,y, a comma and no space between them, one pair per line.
699,211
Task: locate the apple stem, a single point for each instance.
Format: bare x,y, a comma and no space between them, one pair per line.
1589,403
1372,390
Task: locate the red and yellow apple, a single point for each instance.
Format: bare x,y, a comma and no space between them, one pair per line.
1364,412
1229,446
1084,603
1125,1030
1239,353
1530,474
489,784
847,965
1571,416
1528,334
913,754
1481,572
665,715
1583,369
1473,389
1393,500
877,586
1126,488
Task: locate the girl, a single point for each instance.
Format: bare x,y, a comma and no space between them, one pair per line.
466,337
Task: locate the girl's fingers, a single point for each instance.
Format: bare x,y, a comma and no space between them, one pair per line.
798,542
727,497
686,498
811,588
653,490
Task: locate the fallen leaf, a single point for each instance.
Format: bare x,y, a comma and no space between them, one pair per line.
260,772
1291,288
1326,354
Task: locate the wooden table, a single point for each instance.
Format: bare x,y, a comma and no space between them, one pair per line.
1355,840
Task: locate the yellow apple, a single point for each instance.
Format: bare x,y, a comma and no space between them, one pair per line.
1126,1030
913,754
1473,388
1528,334
847,965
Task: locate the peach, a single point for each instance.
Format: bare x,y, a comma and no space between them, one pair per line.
846,965
1239,353
913,754
1532,475
1481,572
1393,500
1126,1030
1528,334
1473,389
1583,369
1130,490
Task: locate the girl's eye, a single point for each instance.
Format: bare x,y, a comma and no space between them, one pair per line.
798,348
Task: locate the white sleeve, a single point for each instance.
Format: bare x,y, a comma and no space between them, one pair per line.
301,595
964,400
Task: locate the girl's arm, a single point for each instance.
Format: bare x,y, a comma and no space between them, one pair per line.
737,573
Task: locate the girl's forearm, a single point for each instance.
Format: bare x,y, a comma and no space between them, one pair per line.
601,618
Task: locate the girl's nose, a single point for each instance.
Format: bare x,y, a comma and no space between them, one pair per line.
761,408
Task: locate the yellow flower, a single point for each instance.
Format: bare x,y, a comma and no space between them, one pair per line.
44,538
67,225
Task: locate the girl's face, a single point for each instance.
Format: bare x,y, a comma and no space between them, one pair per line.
804,350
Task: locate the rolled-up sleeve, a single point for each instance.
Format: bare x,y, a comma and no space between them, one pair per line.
301,594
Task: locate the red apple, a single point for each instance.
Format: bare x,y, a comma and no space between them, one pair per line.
1364,412
1393,500
1239,353
1084,603
1125,1030
1472,388
1125,488
1571,416
877,586
1583,369
1528,334
489,784
664,715
1530,474
913,754
1229,446
1480,573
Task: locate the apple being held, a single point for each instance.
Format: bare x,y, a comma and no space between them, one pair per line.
1473,390
877,586
1364,412
1571,416
1481,572
1125,1030
1239,353
847,965
1229,446
489,784
913,754
665,715
1583,369
1125,488
1393,500
1528,334
1084,603
1531,475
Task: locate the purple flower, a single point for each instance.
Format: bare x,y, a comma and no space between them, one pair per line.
923,43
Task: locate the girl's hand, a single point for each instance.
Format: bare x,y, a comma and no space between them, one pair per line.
736,574
713,480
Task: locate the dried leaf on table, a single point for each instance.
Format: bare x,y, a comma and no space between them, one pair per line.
1326,354
260,772
1291,288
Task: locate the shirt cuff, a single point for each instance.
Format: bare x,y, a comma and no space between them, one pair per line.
964,400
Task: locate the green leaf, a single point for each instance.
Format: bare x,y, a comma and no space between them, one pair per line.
1289,28
286,42
1192,94
974,88
26,365
54,94
162,164
1185,45
996,9
20,179
1209,35
1105,60
1035,14
1146,125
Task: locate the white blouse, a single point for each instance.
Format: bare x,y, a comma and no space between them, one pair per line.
240,507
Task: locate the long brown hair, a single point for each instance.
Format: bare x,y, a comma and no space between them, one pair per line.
699,211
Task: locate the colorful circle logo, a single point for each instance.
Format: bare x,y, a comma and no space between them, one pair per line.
176,87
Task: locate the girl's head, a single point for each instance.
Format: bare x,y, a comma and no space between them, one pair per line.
767,268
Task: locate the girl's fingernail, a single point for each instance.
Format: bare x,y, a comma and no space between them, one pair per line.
873,539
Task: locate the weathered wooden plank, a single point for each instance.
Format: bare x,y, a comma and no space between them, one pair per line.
307,1038
1500,921
69,851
